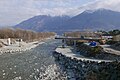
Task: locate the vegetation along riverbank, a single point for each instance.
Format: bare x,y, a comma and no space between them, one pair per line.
17,40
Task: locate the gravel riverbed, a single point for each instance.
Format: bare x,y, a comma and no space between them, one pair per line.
35,64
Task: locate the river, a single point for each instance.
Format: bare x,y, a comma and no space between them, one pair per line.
35,64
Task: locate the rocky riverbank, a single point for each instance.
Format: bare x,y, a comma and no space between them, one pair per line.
88,70
116,46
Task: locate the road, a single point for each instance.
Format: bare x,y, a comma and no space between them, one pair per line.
108,49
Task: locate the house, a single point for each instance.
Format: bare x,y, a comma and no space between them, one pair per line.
107,37
116,38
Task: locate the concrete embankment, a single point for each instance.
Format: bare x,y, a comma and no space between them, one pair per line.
25,47
86,69
21,46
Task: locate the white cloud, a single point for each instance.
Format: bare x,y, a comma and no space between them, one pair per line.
15,11
107,4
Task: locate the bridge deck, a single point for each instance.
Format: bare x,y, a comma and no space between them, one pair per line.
74,38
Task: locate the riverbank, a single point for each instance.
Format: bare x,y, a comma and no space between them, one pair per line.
67,51
103,52
79,68
21,46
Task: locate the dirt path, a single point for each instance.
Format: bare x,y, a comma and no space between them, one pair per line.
108,49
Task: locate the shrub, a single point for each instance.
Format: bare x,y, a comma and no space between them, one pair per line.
111,42
96,50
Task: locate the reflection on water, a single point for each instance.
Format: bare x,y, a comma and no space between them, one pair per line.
36,64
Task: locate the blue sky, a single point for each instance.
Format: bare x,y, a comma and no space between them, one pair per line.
15,11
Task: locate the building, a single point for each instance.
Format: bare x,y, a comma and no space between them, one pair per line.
107,37
116,38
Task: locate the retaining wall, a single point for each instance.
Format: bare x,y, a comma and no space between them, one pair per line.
88,70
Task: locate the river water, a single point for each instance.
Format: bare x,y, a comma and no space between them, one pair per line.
36,64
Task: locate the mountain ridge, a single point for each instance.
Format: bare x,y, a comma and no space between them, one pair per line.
101,19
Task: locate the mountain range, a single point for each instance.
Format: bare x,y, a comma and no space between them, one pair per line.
101,19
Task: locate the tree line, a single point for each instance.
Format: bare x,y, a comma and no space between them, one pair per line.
111,32
92,34
26,35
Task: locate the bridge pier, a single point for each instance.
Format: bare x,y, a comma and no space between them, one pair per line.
63,43
74,44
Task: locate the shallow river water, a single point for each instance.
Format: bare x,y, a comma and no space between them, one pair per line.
36,64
